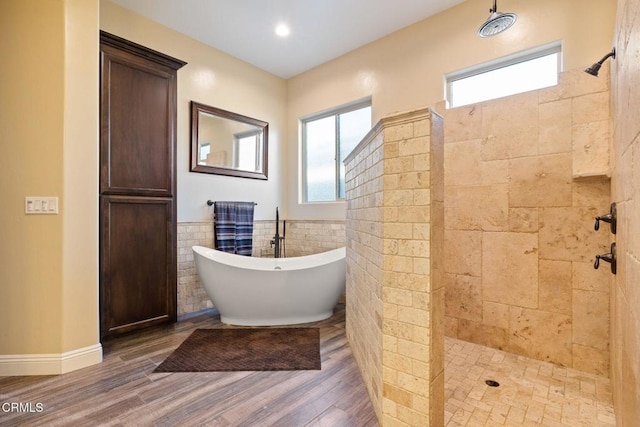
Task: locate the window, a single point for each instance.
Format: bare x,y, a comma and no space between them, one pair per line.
247,153
522,72
205,149
327,138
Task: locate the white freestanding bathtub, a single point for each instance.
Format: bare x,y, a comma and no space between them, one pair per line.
253,291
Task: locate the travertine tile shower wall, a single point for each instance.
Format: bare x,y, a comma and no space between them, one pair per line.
395,290
525,176
303,237
625,301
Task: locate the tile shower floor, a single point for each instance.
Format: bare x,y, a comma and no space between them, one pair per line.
530,392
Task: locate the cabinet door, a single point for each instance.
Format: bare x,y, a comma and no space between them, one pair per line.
137,125
138,271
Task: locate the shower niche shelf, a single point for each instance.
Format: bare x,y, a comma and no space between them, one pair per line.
592,176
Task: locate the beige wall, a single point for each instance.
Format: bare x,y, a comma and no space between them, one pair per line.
80,321
625,338
213,78
48,291
31,156
405,70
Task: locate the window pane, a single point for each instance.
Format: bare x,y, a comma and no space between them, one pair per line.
354,125
205,149
517,78
247,153
320,159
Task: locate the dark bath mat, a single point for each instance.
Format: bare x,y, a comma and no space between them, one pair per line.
246,349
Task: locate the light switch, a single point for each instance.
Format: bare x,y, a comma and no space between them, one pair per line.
41,205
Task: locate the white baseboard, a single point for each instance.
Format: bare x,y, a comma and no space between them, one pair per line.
50,364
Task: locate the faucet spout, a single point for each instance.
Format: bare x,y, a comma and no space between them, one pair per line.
276,238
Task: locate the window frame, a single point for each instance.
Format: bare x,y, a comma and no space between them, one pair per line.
500,63
336,112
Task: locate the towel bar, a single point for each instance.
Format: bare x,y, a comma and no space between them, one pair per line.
211,203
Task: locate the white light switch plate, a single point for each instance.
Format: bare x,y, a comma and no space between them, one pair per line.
41,205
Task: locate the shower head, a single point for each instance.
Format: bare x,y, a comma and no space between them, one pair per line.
497,22
595,68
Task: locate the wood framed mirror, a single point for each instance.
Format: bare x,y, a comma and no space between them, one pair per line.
227,143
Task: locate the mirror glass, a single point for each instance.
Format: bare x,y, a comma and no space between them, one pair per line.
227,143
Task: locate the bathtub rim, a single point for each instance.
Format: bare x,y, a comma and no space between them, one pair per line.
271,264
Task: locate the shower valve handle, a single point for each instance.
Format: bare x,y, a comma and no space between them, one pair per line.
605,218
611,258
606,257
611,218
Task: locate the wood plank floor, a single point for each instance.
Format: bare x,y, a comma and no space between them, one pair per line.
124,391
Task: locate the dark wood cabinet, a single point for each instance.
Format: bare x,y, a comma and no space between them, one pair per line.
137,186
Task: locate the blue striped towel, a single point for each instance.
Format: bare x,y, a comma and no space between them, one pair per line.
234,227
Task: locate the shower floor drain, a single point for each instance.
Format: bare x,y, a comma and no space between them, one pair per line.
492,383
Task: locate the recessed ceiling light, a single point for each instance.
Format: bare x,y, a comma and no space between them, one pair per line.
282,30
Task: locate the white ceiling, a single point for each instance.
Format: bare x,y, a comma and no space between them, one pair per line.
320,29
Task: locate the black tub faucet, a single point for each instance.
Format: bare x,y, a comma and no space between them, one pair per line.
276,239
